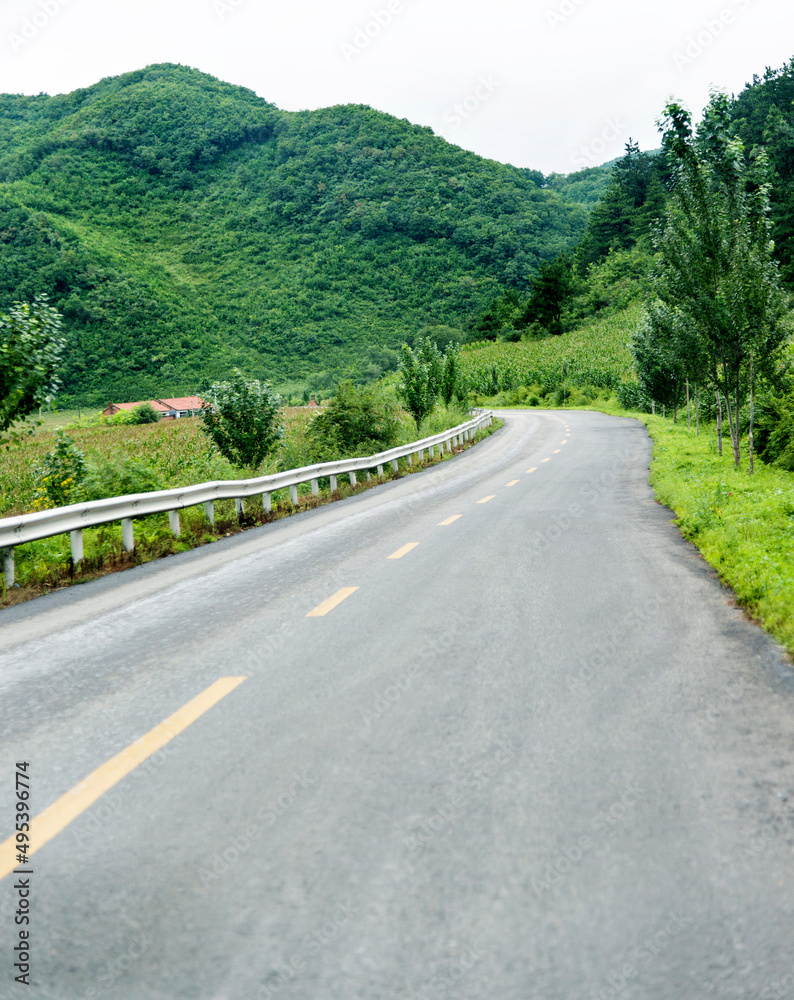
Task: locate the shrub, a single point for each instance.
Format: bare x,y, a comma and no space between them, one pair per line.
144,414
60,478
357,422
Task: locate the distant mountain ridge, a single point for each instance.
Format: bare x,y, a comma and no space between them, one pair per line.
184,226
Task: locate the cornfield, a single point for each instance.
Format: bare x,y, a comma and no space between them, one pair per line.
177,451
598,354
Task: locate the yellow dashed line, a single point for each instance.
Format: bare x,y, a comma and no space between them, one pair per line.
533,469
513,482
556,451
68,807
565,441
450,520
332,602
403,551
486,499
546,459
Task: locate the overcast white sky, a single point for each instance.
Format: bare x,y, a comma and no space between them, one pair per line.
547,84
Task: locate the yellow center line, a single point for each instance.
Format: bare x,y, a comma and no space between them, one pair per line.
450,520
332,602
546,459
486,499
565,441
556,451
59,815
403,551
513,482
533,469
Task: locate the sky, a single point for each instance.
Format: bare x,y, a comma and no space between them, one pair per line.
554,85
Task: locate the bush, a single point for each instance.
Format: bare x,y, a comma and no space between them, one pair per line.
144,414
357,422
60,478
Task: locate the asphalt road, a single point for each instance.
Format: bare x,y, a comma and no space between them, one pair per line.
539,755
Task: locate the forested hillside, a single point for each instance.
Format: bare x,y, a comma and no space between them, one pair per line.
184,226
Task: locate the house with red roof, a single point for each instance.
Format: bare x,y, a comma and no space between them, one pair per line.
169,409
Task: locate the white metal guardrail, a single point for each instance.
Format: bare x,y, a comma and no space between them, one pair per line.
74,518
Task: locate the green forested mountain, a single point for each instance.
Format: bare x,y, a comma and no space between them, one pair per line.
184,226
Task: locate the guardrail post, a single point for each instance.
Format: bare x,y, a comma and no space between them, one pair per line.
380,472
395,465
440,449
78,552
173,523
315,487
293,495
368,474
267,502
353,480
410,459
333,484
239,507
209,510
8,565
127,534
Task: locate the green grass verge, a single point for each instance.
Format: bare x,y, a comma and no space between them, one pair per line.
743,524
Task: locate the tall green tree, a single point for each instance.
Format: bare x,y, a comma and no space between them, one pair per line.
450,375
551,288
716,284
418,383
30,354
241,415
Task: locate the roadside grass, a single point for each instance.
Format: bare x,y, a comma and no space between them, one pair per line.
46,565
742,524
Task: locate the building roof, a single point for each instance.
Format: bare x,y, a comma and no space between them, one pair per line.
183,403
163,405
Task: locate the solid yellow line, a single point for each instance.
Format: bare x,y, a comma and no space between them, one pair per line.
486,499
513,482
533,469
403,551
48,824
332,602
449,520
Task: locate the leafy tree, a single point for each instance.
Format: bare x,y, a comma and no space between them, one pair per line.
716,283
144,414
418,383
551,289
30,353
633,202
434,360
242,417
658,362
450,375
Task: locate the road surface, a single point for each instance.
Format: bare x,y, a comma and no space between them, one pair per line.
493,731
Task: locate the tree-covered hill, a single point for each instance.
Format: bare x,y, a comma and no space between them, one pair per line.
185,226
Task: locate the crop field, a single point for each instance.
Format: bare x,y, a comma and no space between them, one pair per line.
177,451
597,354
